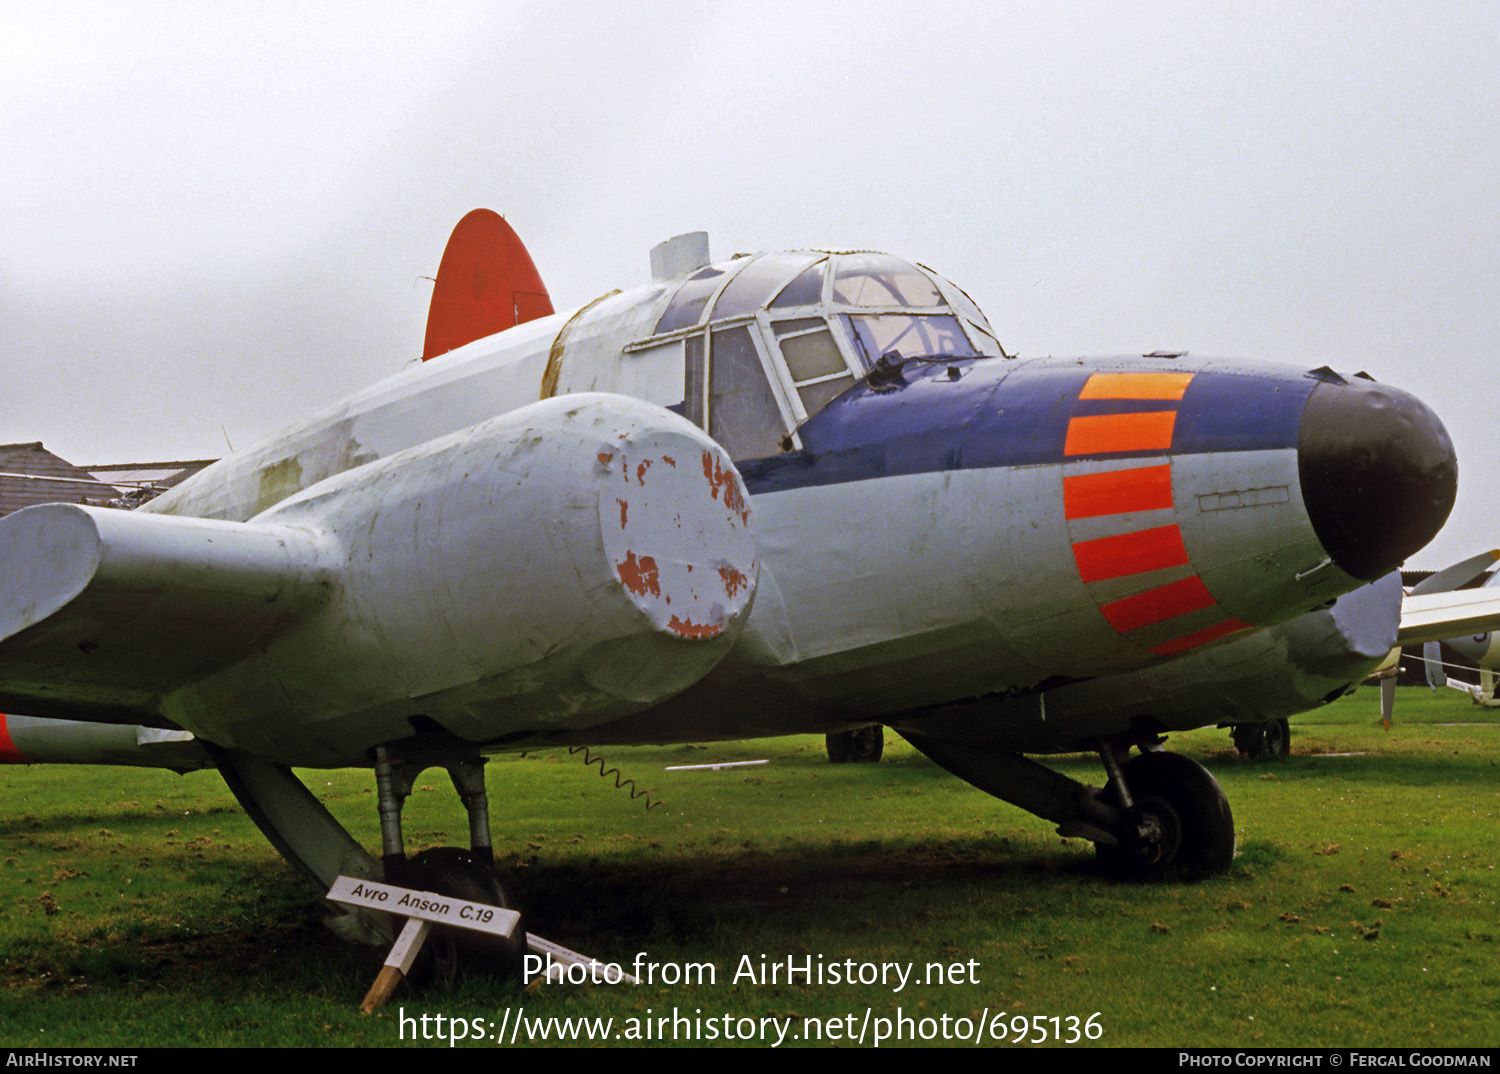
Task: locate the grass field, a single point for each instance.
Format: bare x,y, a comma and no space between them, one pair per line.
140,908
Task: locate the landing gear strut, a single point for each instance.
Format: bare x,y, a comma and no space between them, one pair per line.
309,837
461,874
1161,815
1181,826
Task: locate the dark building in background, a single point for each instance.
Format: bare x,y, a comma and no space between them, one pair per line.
30,474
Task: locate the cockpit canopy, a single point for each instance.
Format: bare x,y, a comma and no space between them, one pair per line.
769,340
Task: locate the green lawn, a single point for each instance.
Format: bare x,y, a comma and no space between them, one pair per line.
142,908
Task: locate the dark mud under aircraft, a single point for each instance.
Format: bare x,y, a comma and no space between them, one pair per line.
784,493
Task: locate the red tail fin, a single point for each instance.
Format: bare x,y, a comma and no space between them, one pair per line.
486,283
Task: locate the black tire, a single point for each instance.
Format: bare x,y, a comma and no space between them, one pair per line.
863,746
1268,741
1249,739
1277,740
458,873
1184,806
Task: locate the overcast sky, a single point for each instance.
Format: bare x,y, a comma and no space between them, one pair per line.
217,217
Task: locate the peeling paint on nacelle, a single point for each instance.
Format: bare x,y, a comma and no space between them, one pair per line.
551,568
565,564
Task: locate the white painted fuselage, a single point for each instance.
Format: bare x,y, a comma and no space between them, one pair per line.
889,590
912,524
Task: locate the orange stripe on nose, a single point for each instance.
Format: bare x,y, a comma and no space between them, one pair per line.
1200,637
1130,553
1155,605
1143,488
1097,434
1135,386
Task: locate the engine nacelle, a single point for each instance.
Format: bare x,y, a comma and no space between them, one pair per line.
556,567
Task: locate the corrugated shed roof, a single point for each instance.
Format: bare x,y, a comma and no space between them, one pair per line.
160,475
30,474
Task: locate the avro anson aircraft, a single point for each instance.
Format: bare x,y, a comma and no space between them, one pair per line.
783,493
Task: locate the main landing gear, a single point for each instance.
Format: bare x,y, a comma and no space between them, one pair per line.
1268,741
314,842
462,874
1160,816
861,746
1179,822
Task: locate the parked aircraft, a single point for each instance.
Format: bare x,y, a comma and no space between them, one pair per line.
783,493
1435,606
1481,647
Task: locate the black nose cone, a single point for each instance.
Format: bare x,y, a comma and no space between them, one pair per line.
1378,474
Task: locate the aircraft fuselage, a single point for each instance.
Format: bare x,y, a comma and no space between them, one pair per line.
951,529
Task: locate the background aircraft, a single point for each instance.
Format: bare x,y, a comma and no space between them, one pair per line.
786,493
1480,648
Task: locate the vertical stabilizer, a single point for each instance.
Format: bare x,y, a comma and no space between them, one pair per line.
485,284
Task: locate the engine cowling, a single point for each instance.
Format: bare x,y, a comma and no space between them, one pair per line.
558,566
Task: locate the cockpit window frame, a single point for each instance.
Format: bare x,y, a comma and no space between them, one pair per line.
754,267
775,382
852,368
825,313
727,271
882,272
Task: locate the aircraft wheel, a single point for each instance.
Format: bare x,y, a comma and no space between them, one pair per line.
864,745
1249,739
1187,829
458,873
1268,741
1277,739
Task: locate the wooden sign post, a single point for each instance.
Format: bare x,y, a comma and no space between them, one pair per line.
421,909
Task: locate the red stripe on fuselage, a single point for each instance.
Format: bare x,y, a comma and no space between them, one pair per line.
1104,434
1135,386
1159,604
1117,492
1199,638
1132,490
1130,553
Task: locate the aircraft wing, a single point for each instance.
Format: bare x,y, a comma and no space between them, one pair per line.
560,565
102,611
1437,616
